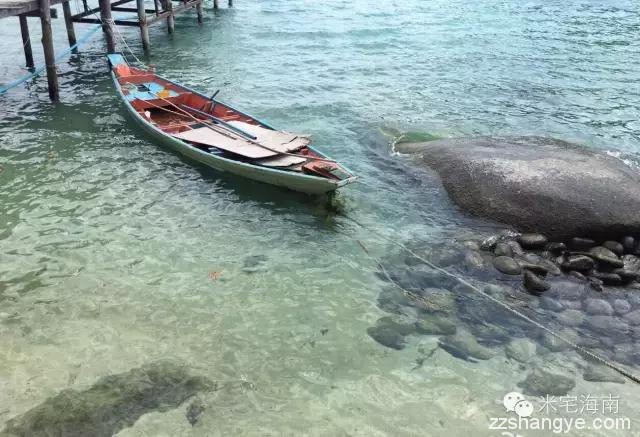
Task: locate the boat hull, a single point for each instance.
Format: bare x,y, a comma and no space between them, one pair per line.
294,181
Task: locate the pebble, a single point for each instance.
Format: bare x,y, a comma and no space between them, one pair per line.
474,260
520,349
534,283
596,283
550,266
433,324
535,268
503,249
628,243
541,382
389,333
608,278
633,317
556,247
578,243
626,275
516,248
489,243
607,325
621,306
471,245
570,317
576,274
532,241
554,344
578,262
614,247
464,345
506,265
551,304
598,307
605,256
631,263
571,304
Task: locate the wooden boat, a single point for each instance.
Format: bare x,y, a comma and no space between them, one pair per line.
221,137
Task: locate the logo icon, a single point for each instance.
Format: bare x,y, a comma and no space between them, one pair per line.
517,403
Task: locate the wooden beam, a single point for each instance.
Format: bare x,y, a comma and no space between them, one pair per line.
123,9
144,28
215,4
26,41
47,45
36,14
116,22
230,3
68,22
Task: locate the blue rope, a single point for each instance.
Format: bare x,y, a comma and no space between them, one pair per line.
57,59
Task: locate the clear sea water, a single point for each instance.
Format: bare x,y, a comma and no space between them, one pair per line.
108,241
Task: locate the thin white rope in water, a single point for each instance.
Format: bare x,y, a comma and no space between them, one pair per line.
578,348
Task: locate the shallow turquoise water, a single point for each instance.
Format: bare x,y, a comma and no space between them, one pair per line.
108,241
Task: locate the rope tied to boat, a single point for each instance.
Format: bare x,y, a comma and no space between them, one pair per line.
614,366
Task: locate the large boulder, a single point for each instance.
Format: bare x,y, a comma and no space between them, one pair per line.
537,184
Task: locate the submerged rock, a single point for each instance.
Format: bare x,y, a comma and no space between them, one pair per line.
537,184
521,349
390,333
534,283
541,382
113,403
597,307
598,373
503,249
435,324
507,265
465,346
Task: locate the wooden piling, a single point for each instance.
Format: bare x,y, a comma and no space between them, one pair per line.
215,4
170,18
68,22
144,27
107,25
230,3
199,12
49,55
26,41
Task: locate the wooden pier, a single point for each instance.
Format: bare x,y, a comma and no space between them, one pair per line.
163,10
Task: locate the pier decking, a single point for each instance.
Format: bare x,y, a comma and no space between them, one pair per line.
163,10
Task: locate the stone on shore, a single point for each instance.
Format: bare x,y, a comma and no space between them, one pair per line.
605,256
537,184
579,263
579,243
614,246
532,241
